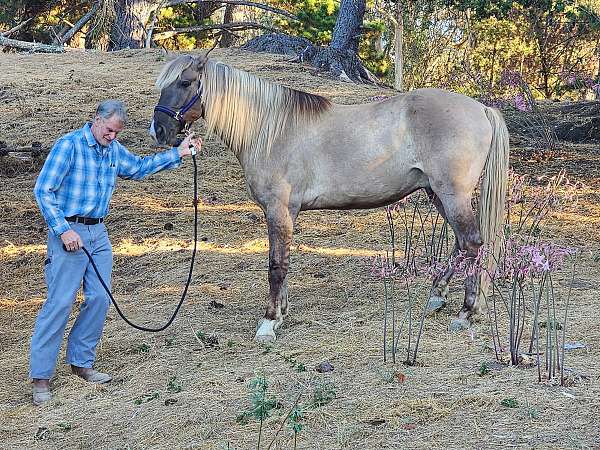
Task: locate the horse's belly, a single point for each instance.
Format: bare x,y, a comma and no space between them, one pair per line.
365,193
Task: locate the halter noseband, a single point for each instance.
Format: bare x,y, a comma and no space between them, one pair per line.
178,115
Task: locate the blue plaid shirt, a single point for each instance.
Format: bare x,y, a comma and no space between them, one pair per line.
79,176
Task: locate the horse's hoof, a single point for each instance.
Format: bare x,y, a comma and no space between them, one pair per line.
265,332
434,304
265,339
459,324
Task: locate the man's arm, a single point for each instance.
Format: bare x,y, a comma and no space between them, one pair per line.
51,176
135,167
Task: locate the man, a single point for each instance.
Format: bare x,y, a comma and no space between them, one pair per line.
73,191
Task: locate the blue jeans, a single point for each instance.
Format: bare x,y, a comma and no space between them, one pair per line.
64,273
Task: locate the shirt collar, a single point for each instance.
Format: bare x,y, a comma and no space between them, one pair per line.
89,137
91,140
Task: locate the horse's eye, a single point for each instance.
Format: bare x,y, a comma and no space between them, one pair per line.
185,83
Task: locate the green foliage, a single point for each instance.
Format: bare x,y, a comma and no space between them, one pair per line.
146,398
178,17
323,394
463,45
509,402
64,426
484,369
48,16
316,19
261,404
174,386
296,365
295,420
143,348
371,48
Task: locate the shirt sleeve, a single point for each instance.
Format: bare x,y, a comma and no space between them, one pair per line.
49,180
134,167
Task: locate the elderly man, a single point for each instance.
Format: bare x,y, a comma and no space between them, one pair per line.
73,191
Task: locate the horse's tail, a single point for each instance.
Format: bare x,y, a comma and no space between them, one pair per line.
493,192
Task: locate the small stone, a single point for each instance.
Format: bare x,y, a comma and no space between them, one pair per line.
459,325
324,367
168,226
435,304
215,304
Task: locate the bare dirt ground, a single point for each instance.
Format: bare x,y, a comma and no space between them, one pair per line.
172,390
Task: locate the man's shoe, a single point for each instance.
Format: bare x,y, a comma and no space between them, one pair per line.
41,395
91,375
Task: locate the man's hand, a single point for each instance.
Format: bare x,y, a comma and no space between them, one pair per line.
71,240
184,147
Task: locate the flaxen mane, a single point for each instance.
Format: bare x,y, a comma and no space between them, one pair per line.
248,113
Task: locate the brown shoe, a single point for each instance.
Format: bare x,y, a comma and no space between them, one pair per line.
91,375
41,392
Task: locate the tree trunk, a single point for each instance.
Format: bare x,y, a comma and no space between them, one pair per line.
341,57
227,37
129,31
399,42
205,9
346,32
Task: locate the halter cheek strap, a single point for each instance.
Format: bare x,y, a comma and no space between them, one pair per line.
178,115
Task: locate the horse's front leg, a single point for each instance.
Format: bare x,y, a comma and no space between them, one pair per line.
280,224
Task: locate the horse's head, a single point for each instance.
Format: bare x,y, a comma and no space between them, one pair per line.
180,102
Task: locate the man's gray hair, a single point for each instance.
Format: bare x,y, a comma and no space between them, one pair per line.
109,108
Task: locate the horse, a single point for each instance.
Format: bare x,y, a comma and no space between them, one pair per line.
300,151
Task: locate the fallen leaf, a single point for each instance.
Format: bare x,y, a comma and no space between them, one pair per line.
401,377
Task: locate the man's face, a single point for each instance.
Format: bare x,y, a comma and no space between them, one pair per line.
106,130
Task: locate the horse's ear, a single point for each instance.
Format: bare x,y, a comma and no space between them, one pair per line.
200,62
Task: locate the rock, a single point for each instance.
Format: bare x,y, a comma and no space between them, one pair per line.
459,325
324,367
434,304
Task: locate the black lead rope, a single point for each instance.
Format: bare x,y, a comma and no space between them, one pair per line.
189,279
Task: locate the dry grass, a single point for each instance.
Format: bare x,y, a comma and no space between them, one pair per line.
336,306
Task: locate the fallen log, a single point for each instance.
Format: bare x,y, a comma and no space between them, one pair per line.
34,47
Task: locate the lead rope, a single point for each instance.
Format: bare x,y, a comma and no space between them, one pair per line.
189,279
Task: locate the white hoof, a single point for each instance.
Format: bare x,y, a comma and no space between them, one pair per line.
265,333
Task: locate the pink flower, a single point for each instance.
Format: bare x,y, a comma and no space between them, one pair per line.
521,103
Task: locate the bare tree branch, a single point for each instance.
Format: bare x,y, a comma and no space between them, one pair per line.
150,30
232,26
31,46
17,28
78,25
281,12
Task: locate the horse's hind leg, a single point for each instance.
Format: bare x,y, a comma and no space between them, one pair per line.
439,289
460,215
280,223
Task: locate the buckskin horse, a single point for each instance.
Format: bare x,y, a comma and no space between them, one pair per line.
300,151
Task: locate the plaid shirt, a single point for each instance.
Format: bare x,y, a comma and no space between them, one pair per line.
79,176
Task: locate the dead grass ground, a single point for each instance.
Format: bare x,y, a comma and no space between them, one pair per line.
336,305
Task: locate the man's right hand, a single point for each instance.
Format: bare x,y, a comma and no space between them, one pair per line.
71,240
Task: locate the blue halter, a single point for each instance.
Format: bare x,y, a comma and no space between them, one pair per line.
178,115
